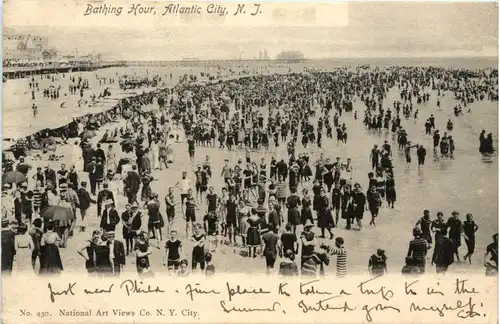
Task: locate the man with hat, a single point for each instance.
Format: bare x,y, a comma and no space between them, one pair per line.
50,176
87,154
282,168
99,153
92,171
99,173
136,222
116,253
104,195
27,202
132,184
144,162
73,176
109,217
39,176
8,247
85,201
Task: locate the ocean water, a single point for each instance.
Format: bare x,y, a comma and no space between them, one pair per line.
443,62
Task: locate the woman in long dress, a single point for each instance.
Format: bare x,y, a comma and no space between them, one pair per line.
253,233
154,152
111,159
306,203
292,205
23,241
50,258
243,224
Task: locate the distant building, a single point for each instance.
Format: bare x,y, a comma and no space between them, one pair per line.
49,55
26,47
265,56
290,56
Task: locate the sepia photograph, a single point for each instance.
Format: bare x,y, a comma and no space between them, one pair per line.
169,139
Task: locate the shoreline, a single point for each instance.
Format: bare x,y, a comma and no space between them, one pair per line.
109,106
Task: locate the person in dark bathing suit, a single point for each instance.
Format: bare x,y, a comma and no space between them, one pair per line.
306,212
492,251
425,226
169,202
455,230
421,153
173,252
390,190
142,251
325,219
358,204
374,202
198,254
308,242
231,213
470,228
90,265
191,148
127,222
189,204
292,204
288,241
377,265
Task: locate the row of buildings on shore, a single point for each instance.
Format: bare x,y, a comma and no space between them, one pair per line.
28,54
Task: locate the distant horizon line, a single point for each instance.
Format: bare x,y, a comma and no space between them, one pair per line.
190,60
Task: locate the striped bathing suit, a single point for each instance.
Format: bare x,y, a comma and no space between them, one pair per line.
341,254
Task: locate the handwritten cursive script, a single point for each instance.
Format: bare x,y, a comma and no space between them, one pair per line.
228,309
377,308
464,310
134,287
66,292
243,291
192,291
323,305
308,288
97,291
382,291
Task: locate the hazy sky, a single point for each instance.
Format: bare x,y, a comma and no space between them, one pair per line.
373,29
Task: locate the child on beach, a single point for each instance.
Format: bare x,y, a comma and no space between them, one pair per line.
210,268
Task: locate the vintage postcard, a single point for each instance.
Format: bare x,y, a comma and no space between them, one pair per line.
225,162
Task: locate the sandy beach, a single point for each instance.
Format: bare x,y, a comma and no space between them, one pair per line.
464,183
